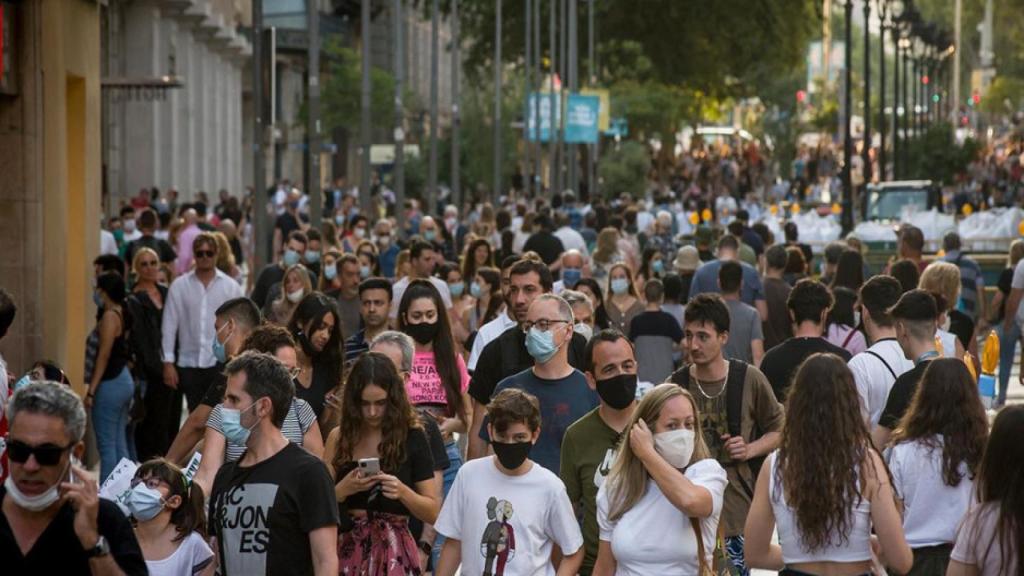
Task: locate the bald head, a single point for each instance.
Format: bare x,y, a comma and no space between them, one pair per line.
572,259
189,216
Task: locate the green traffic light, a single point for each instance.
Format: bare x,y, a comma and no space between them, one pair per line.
936,97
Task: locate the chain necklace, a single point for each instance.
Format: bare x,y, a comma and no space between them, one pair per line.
705,394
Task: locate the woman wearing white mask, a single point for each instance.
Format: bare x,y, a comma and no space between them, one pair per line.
170,521
623,302
663,482
295,286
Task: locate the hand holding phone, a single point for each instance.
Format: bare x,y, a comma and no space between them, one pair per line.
369,467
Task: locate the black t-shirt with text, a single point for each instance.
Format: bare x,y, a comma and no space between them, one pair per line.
900,395
262,515
779,365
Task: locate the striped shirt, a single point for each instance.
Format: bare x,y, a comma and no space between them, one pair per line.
971,282
298,421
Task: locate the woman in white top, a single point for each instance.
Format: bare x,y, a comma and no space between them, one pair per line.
170,521
935,454
825,486
991,537
663,492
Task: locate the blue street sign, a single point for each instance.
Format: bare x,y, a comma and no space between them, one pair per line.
543,115
581,119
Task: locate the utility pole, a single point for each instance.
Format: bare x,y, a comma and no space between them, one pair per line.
398,20
896,167
527,87
883,27
554,108
905,149
573,69
955,100
316,197
435,58
364,120
847,216
496,186
592,153
262,232
538,150
866,146
456,144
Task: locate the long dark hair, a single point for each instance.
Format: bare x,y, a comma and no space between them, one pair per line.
376,369
645,263
946,403
444,343
493,277
191,515
1000,481
469,265
823,426
601,319
841,313
849,271
307,319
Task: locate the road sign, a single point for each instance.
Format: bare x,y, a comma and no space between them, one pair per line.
582,119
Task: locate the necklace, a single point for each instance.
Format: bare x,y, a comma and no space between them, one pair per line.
705,394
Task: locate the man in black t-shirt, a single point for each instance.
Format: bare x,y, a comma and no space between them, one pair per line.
545,243
808,303
273,511
147,225
273,273
68,528
916,316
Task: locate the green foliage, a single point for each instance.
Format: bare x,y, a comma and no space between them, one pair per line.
623,168
935,155
1003,91
341,98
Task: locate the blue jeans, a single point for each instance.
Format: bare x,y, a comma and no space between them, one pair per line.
455,460
110,420
1007,350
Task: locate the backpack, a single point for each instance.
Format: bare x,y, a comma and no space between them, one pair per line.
733,411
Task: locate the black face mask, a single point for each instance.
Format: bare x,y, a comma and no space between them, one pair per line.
423,333
511,455
617,391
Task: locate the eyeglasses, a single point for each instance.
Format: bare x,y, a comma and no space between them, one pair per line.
294,372
152,482
46,454
204,253
543,324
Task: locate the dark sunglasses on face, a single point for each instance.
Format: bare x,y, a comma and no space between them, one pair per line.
205,253
148,263
46,454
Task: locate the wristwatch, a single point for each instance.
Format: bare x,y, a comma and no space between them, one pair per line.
100,549
426,547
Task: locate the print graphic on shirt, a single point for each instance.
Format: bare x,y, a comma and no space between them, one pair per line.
242,514
604,468
714,423
498,544
428,388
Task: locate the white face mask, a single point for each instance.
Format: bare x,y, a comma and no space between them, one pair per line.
33,503
129,225
675,446
295,296
584,330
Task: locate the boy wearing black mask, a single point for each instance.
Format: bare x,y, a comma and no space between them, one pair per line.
505,512
592,442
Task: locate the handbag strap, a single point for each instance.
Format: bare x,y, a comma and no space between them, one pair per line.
702,559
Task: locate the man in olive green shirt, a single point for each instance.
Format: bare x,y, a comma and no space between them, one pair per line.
591,443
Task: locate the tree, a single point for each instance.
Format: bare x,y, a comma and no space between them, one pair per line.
341,98
623,169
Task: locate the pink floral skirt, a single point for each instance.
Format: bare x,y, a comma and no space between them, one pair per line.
378,545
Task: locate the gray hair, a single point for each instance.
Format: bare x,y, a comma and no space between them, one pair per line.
573,298
51,399
564,309
401,340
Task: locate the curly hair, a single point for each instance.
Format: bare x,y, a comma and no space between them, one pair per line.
824,427
946,403
375,369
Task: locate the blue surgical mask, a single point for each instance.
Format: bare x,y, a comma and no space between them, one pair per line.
456,288
429,235
571,277
97,299
339,220
144,502
658,266
312,256
364,272
331,271
541,345
22,382
291,257
620,286
231,425
474,290
219,352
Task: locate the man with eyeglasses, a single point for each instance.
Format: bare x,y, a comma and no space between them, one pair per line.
188,324
561,390
507,354
53,520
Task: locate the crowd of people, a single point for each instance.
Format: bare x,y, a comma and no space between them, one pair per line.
539,387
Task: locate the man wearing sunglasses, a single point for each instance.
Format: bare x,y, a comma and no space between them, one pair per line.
53,520
188,330
561,390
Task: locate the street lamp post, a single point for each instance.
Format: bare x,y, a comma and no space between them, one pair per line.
883,27
527,87
435,60
456,177
847,216
496,186
897,45
905,149
398,15
866,146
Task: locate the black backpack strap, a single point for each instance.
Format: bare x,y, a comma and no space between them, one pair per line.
681,377
884,363
734,396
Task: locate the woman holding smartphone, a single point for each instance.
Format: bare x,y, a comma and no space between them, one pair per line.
378,422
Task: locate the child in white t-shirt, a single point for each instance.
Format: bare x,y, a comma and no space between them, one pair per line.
504,513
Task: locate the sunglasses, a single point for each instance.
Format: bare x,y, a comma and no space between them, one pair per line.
46,454
204,253
148,263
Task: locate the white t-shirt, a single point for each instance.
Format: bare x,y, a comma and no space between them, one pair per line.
487,333
508,524
1018,283
398,290
977,542
192,555
655,537
932,511
108,244
948,340
572,240
874,380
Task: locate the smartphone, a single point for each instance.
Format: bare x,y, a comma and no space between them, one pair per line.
71,473
369,466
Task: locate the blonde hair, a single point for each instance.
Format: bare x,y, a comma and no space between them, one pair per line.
1016,251
307,285
607,241
627,481
138,253
225,256
943,278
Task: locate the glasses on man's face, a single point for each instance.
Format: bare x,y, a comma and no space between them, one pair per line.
543,324
46,454
294,372
204,253
152,482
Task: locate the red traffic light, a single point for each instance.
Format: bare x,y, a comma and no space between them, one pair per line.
924,79
976,98
801,96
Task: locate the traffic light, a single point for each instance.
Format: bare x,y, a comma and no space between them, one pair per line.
801,96
936,97
976,99
924,80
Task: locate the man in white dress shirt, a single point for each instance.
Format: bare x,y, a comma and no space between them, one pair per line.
188,322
